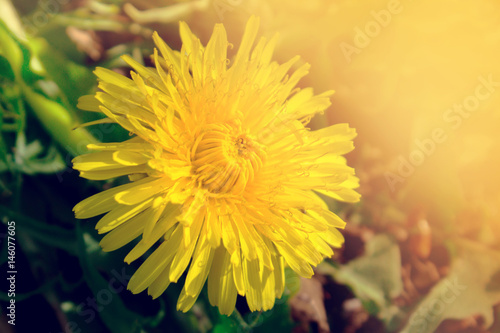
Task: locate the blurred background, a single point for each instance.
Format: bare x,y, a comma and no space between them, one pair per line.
419,80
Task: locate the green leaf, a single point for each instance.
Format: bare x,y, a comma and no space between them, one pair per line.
50,235
225,324
6,70
58,120
375,276
26,158
73,80
10,49
471,288
18,55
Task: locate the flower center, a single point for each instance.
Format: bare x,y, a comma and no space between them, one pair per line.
225,163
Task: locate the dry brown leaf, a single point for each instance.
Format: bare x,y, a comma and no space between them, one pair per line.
308,305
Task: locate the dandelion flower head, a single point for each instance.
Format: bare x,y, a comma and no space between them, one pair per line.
224,173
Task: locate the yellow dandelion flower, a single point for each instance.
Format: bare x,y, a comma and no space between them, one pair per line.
223,170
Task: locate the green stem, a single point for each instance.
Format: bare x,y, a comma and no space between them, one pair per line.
241,322
256,320
58,122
